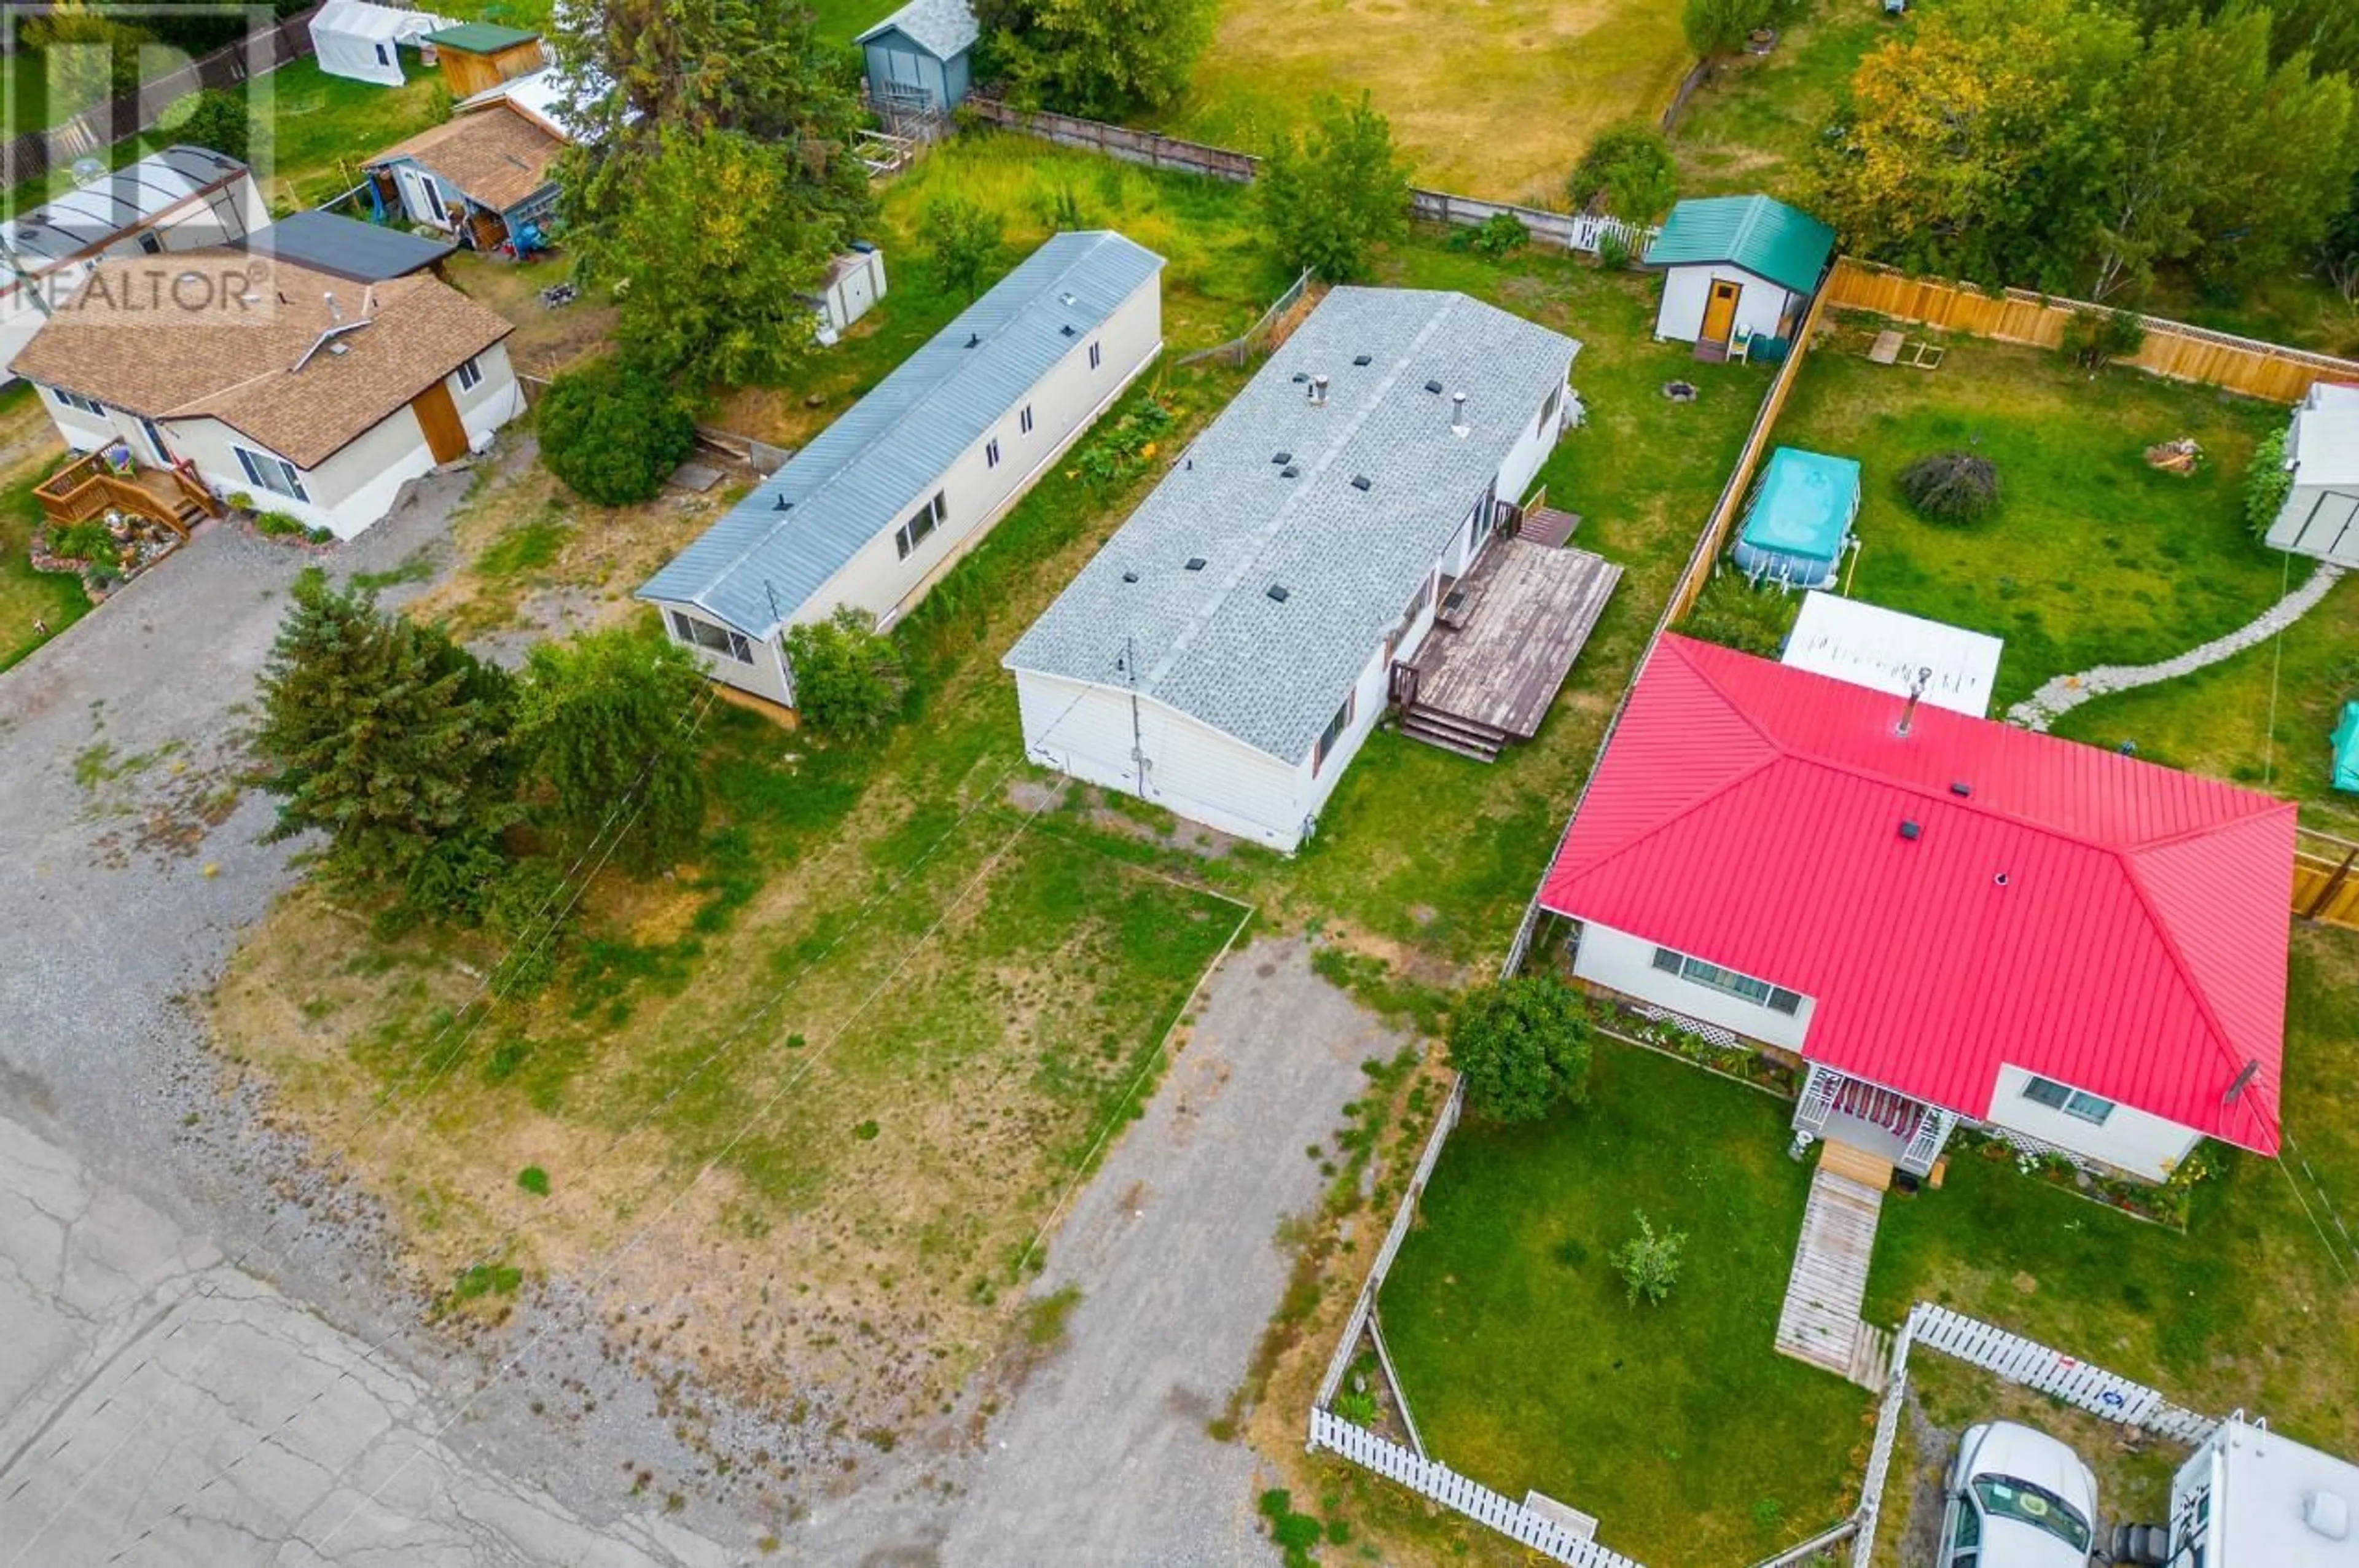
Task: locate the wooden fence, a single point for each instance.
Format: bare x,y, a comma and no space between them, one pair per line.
36,153
1573,232
1431,1478
2325,878
2172,349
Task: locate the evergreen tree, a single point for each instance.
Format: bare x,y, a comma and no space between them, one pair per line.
384,735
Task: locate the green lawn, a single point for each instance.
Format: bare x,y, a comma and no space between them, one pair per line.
1754,125
27,596
2246,1308
2093,557
1679,1426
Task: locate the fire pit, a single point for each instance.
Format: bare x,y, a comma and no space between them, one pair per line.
1679,391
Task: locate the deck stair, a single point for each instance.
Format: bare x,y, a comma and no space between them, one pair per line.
1820,1322
1467,737
1546,525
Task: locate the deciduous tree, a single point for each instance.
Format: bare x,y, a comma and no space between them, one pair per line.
964,238
1523,1048
613,433
849,680
604,730
1628,172
1098,58
1330,199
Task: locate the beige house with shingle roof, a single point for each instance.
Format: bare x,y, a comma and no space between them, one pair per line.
480,176
317,396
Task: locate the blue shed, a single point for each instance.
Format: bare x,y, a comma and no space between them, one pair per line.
917,55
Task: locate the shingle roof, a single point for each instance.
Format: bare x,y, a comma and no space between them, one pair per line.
943,28
1213,642
2075,913
1758,234
326,241
479,37
218,332
496,156
85,218
866,471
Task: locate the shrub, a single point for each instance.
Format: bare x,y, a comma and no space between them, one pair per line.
82,542
1733,613
1717,26
1356,1406
1613,250
849,681
534,1180
1649,1263
1500,234
1950,487
217,120
280,525
241,501
963,238
1522,1047
2092,338
2267,483
1627,171
613,435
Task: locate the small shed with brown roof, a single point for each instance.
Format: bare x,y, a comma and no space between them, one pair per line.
482,176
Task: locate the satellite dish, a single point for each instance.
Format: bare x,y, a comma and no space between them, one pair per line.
87,169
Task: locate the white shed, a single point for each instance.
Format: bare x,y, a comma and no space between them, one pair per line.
856,280
1887,651
1736,267
354,38
2320,515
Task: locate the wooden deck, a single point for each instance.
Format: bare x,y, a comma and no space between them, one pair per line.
1504,639
1820,1322
91,487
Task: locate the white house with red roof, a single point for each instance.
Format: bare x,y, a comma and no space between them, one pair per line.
1946,919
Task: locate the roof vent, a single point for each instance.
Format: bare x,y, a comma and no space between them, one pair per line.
1277,592
1364,361
1129,576
1288,472
1319,392
1908,828
2000,880
2327,1514
975,340
1361,481
1960,788
1434,388
1458,413
1067,297
1281,458
782,504
1067,330
1299,377
1195,563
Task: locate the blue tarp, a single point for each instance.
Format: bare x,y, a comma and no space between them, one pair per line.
2346,739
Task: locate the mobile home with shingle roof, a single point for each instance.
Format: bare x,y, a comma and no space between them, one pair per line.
872,513
1233,644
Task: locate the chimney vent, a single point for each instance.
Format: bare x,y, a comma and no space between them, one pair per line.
1319,392
1916,691
1458,413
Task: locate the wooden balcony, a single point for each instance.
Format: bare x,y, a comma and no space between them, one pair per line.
93,485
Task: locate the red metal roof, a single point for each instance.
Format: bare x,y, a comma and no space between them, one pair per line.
1751,814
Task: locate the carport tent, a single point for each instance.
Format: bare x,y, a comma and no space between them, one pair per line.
355,39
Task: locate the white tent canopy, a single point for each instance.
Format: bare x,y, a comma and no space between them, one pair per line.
1883,650
362,41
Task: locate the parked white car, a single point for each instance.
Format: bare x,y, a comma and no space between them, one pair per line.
2017,1498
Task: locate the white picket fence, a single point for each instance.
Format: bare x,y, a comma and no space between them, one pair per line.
1432,1479
1574,231
1880,1454
2076,1382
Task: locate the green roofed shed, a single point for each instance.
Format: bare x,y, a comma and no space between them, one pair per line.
480,38
1737,267
476,57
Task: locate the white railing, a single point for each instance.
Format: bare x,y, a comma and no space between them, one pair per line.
1402,1218
1880,1454
1434,1480
2076,1382
1932,1131
1819,1093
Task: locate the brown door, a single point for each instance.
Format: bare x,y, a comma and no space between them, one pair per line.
446,437
1720,312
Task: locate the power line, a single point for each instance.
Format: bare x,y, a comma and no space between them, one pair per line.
728,1041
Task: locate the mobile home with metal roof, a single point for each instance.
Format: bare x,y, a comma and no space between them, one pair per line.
875,510
1230,648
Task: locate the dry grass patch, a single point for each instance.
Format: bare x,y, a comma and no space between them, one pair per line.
1497,98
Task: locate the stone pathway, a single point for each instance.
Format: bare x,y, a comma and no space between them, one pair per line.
2065,693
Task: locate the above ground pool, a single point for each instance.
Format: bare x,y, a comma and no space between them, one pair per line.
1800,516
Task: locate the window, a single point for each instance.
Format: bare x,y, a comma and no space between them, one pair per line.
471,376
912,534
991,454
150,241
76,400
705,634
275,475
1334,731
1745,988
1024,420
2089,1107
384,55
1094,356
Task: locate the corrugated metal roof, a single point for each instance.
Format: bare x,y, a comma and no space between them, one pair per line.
868,470
944,28
80,219
325,241
1760,233
1749,814
1213,643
